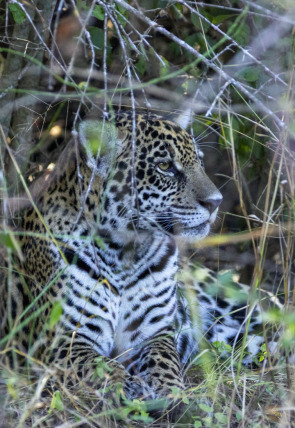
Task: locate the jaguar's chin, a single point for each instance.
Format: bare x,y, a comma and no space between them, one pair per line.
174,226
195,232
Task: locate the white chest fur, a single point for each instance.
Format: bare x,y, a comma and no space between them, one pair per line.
116,306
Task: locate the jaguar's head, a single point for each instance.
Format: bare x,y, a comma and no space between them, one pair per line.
153,176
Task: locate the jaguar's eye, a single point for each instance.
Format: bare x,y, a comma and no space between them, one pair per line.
165,165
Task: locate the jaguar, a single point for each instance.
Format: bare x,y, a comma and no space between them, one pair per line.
99,247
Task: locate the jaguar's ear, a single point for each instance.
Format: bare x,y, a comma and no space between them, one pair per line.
101,142
185,118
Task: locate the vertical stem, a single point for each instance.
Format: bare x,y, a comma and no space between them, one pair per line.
20,74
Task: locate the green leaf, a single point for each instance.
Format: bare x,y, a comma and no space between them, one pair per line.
261,358
99,242
221,346
199,23
250,74
10,385
55,314
82,85
98,12
205,407
82,5
175,391
164,69
185,400
227,348
207,421
101,368
196,21
225,278
177,10
122,15
56,402
222,418
141,65
273,315
192,40
99,371
174,49
239,416
221,18
18,14
8,240
197,424
97,37
242,35
179,6
121,9
143,417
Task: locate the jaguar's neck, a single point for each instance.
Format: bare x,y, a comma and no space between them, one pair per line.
129,252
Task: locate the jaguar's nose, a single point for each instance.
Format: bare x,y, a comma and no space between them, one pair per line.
212,203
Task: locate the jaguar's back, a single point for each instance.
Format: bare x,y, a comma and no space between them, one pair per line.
102,243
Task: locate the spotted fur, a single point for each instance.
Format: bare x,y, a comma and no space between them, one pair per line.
118,197
217,308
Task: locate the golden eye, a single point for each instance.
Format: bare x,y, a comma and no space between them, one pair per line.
164,165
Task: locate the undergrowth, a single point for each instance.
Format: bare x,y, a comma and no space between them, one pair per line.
229,66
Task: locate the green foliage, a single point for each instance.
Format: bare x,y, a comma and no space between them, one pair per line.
56,402
286,320
242,34
239,126
214,419
261,355
97,37
250,74
220,19
8,240
82,5
222,347
98,12
18,14
55,314
99,242
221,417
101,368
205,407
229,287
164,68
137,411
200,24
122,15
11,385
141,65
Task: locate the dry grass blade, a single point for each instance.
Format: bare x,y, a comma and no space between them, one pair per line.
228,69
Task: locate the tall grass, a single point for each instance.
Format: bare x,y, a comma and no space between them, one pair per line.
229,66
